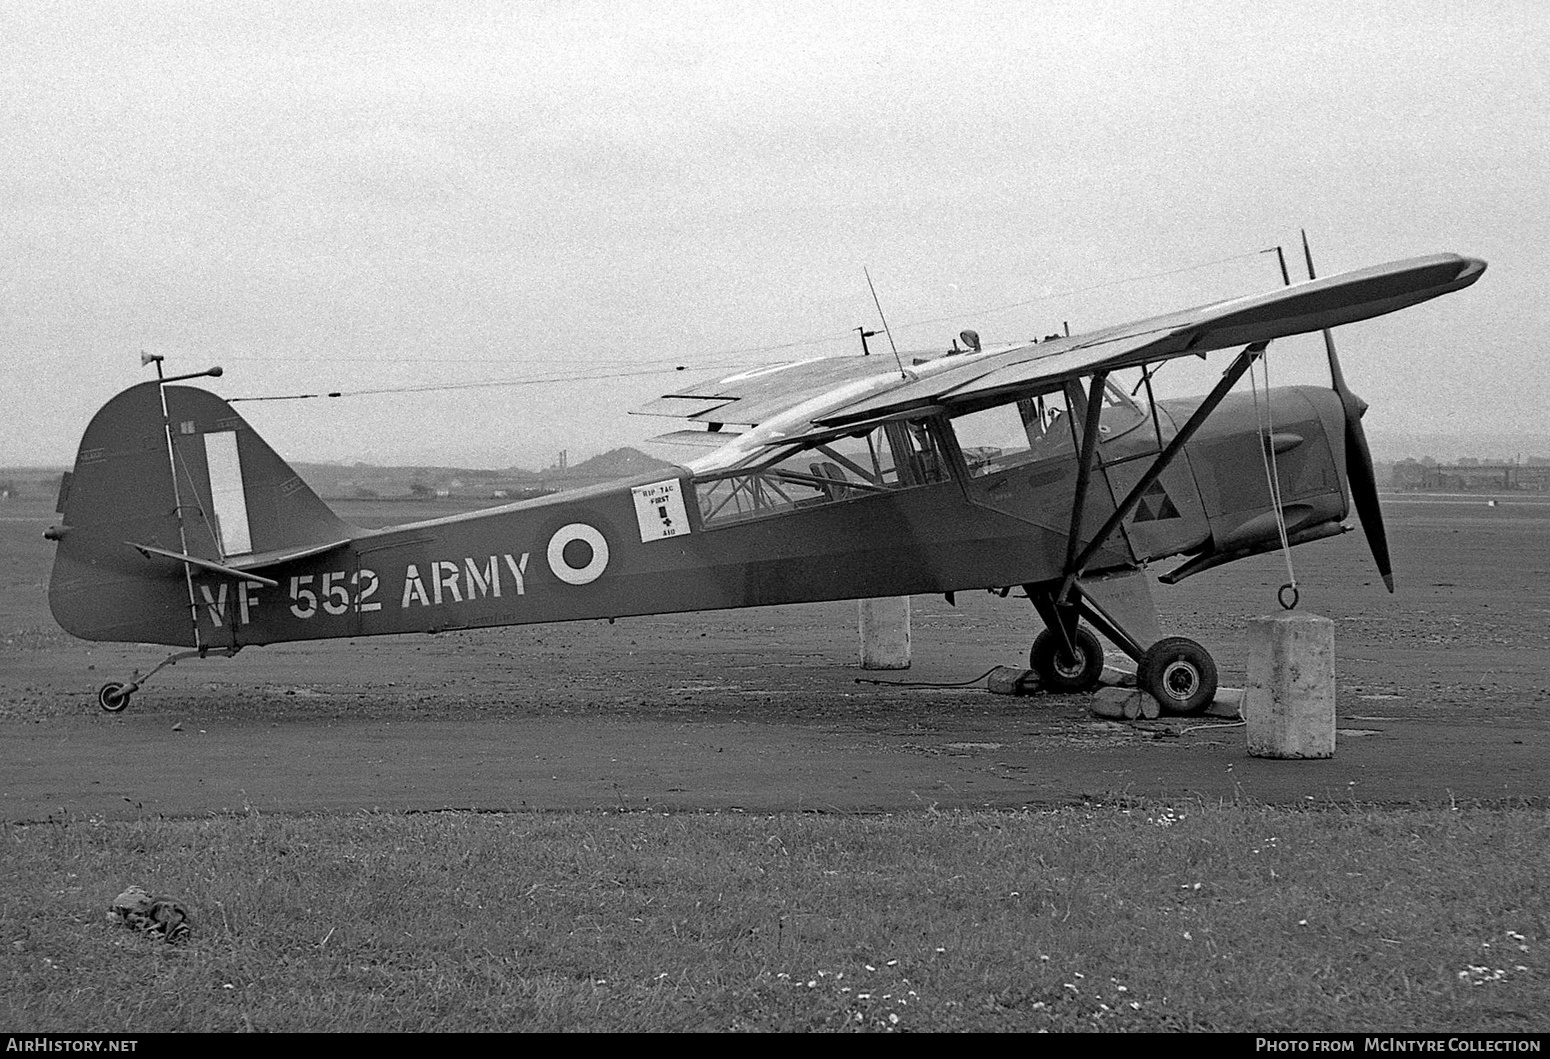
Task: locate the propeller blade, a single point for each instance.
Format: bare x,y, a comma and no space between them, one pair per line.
1360,475
1364,487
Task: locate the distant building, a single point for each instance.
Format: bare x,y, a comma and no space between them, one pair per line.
1471,475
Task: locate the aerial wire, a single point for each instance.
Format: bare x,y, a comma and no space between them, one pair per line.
484,384
716,361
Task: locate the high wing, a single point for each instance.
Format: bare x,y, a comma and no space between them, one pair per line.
748,398
860,390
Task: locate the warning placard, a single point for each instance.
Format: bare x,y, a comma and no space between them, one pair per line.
659,508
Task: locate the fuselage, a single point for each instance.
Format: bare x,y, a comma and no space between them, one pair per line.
928,515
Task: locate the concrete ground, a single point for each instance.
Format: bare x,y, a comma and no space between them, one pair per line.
1442,699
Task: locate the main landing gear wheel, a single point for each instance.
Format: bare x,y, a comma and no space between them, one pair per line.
1058,671
1179,674
113,697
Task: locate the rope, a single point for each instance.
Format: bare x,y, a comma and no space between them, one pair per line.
911,684
1208,727
1267,452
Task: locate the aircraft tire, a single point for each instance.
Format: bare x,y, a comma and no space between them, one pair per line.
1179,674
1063,675
113,698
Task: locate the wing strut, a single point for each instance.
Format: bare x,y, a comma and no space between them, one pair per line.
1084,473
1058,612
1230,377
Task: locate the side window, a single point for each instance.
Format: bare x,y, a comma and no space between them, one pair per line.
892,456
743,494
920,453
1120,414
1051,426
1011,434
1040,428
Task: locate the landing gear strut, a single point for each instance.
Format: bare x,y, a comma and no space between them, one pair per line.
1068,657
114,697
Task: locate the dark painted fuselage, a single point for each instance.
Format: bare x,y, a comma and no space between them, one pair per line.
623,549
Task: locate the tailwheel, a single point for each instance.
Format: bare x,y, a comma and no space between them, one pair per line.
113,697
1058,671
1179,674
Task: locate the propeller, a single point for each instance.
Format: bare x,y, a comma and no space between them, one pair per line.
1358,457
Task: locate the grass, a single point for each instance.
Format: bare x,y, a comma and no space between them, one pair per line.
1117,917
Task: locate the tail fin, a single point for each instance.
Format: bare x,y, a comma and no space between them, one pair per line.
129,527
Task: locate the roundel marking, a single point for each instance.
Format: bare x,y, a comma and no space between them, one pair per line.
578,575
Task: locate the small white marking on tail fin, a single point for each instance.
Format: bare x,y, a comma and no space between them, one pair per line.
227,495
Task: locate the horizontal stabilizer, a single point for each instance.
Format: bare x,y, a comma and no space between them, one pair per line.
151,552
264,560
243,567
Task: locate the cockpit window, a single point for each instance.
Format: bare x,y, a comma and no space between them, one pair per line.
1039,428
1008,435
1120,412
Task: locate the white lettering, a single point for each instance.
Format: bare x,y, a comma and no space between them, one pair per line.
336,597
215,603
486,584
659,510
304,601
369,578
414,588
445,576
474,579
518,568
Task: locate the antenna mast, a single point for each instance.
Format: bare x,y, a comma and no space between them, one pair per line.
172,466
884,319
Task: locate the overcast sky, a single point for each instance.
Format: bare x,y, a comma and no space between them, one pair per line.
359,196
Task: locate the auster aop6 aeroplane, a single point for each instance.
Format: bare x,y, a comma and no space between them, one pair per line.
847,478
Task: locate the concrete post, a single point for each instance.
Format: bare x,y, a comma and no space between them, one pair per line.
885,632
1289,703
